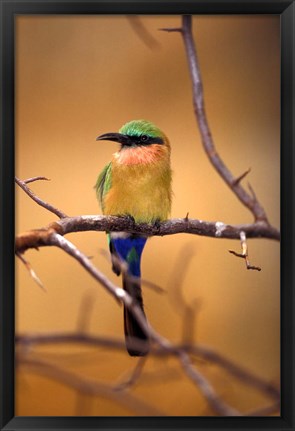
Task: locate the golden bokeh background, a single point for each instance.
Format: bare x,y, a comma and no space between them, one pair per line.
81,76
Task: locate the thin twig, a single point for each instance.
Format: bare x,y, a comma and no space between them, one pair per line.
133,377
26,189
31,271
171,29
241,177
33,179
244,254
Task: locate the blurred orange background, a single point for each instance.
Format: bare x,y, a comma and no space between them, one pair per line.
81,76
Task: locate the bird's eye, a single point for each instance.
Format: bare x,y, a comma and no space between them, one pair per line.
143,138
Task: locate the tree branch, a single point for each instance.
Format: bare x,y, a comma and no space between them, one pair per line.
244,255
199,107
26,189
87,386
42,237
216,403
182,350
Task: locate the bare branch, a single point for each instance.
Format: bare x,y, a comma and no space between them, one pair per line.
31,271
244,254
41,237
200,351
49,207
87,386
121,295
235,370
133,377
199,107
33,179
216,403
171,29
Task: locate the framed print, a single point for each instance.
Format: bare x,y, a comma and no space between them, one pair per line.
147,215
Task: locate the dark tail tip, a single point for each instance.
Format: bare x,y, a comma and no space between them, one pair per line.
137,342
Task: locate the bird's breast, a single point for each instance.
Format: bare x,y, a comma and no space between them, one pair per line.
141,184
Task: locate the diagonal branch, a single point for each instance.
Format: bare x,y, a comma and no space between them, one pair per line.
214,401
26,189
199,107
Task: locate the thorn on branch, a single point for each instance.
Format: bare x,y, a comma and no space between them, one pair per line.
244,254
241,177
172,29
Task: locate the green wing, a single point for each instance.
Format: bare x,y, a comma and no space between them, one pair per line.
103,183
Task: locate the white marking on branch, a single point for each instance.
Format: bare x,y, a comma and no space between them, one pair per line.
220,227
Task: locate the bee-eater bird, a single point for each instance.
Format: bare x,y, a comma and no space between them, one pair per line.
136,183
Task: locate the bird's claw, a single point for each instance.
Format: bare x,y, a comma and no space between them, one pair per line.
130,218
157,224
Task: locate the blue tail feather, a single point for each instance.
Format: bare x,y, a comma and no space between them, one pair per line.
129,250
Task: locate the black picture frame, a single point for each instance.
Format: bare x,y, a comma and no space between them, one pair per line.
11,8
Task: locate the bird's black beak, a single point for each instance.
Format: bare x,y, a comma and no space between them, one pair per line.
124,140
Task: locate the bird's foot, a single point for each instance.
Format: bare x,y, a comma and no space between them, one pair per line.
130,218
157,224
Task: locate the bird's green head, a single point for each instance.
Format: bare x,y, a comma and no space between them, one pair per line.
137,133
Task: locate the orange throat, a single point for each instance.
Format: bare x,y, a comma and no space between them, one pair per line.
141,155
